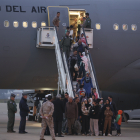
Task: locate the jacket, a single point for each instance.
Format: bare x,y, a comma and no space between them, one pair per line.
108,114
85,110
58,110
76,45
88,23
12,107
47,109
72,60
71,110
119,117
64,103
80,91
94,112
79,109
65,43
114,107
56,21
24,109
87,86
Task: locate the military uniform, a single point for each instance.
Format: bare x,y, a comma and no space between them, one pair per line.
47,110
66,44
12,109
88,23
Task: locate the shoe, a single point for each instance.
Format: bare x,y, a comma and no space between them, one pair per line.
117,135
60,136
96,135
104,134
25,132
83,134
21,133
91,134
42,139
14,131
87,134
109,135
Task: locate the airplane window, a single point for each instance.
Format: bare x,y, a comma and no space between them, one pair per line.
116,26
125,27
34,24
134,27
43,23
25,24
15,24
6,23
98,26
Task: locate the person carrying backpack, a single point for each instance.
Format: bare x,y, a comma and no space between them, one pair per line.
87,82
88,21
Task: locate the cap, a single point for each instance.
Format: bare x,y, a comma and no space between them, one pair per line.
87,72
13,95
46,96
24,94
82,33
58,96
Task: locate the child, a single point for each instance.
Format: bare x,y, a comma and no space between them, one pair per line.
94,116
108,117
81,90
95,93
118,122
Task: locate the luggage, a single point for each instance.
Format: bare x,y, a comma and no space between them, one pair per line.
77,127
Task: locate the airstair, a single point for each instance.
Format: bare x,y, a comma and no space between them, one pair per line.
47,38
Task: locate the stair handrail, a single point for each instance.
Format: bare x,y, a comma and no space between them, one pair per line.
92,69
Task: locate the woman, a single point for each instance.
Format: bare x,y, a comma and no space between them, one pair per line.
87,82
85,61
103,116
85,118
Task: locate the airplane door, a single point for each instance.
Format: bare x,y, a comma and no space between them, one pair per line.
64,18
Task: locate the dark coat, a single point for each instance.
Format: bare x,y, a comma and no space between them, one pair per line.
94,112
64,103
114,108
24,109
79,109
58,110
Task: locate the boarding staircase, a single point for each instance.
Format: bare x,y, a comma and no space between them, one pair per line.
47,38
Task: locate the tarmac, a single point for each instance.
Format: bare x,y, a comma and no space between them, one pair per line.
130,130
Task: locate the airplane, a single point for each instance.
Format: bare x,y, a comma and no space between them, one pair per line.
115,51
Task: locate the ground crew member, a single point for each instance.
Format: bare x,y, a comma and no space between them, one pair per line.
46,112
88,21
66,44
12,109
56,20
24,110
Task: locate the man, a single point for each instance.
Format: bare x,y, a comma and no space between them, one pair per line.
66,44
56,20
72,62
65,99
88,21
24,110
80,46
71,113
12,109
84,21
46,112
46,98
58,115
77,101
113,105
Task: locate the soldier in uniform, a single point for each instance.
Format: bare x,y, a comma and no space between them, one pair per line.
12,109
88,21
56,20
46,112
66,44
24,110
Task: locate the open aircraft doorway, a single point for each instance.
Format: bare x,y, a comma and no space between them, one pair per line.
76,19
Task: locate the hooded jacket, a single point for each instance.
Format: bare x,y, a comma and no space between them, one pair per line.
119,117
